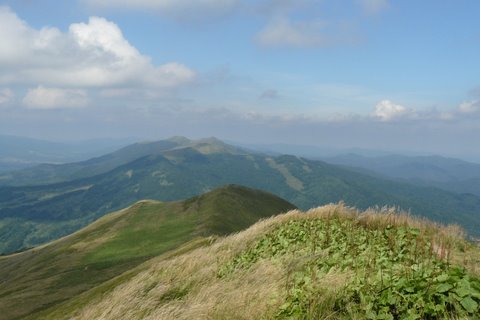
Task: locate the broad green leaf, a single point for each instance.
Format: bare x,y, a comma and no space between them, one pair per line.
444,287
442,278
462,291
469,304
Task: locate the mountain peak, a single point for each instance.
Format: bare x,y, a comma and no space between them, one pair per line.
210,140
180,140
213,145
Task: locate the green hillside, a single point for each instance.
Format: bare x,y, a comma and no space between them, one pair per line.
41,277
32,215
331,263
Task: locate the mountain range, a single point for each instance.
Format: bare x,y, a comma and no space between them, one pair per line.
21,152
446,173
74,195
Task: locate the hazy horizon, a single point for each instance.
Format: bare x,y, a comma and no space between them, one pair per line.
299,149
349,74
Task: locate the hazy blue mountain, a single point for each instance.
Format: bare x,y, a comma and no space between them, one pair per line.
446,173
30,215
20,152
307,151
54,173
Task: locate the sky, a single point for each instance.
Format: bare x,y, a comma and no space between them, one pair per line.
377,74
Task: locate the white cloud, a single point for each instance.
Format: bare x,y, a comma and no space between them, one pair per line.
93,54
469,107
386,111
373,6
181,9
281,32
53,98
6,95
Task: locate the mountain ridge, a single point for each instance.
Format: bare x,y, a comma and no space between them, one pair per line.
51,173
33,215
442,172
48,274
17,153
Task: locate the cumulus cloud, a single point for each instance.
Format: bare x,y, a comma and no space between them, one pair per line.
6,95
92,54
53,98
373,6
177,8
386,111
282,32
469,107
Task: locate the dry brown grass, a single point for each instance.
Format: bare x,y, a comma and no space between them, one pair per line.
187,286
146,295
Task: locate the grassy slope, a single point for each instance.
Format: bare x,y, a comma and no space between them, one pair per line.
35,279
330,263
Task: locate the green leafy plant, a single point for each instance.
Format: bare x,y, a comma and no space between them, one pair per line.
397,272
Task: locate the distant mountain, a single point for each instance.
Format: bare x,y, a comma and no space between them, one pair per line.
31,215
54,173
121,240
307,151
20,152
446,173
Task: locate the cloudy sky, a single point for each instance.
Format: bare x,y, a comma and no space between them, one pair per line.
379,74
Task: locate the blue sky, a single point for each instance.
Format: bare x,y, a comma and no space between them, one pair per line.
393,75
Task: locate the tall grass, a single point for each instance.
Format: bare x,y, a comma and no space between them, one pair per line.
333,262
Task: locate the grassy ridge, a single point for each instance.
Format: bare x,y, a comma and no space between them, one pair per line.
329,263
44,276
